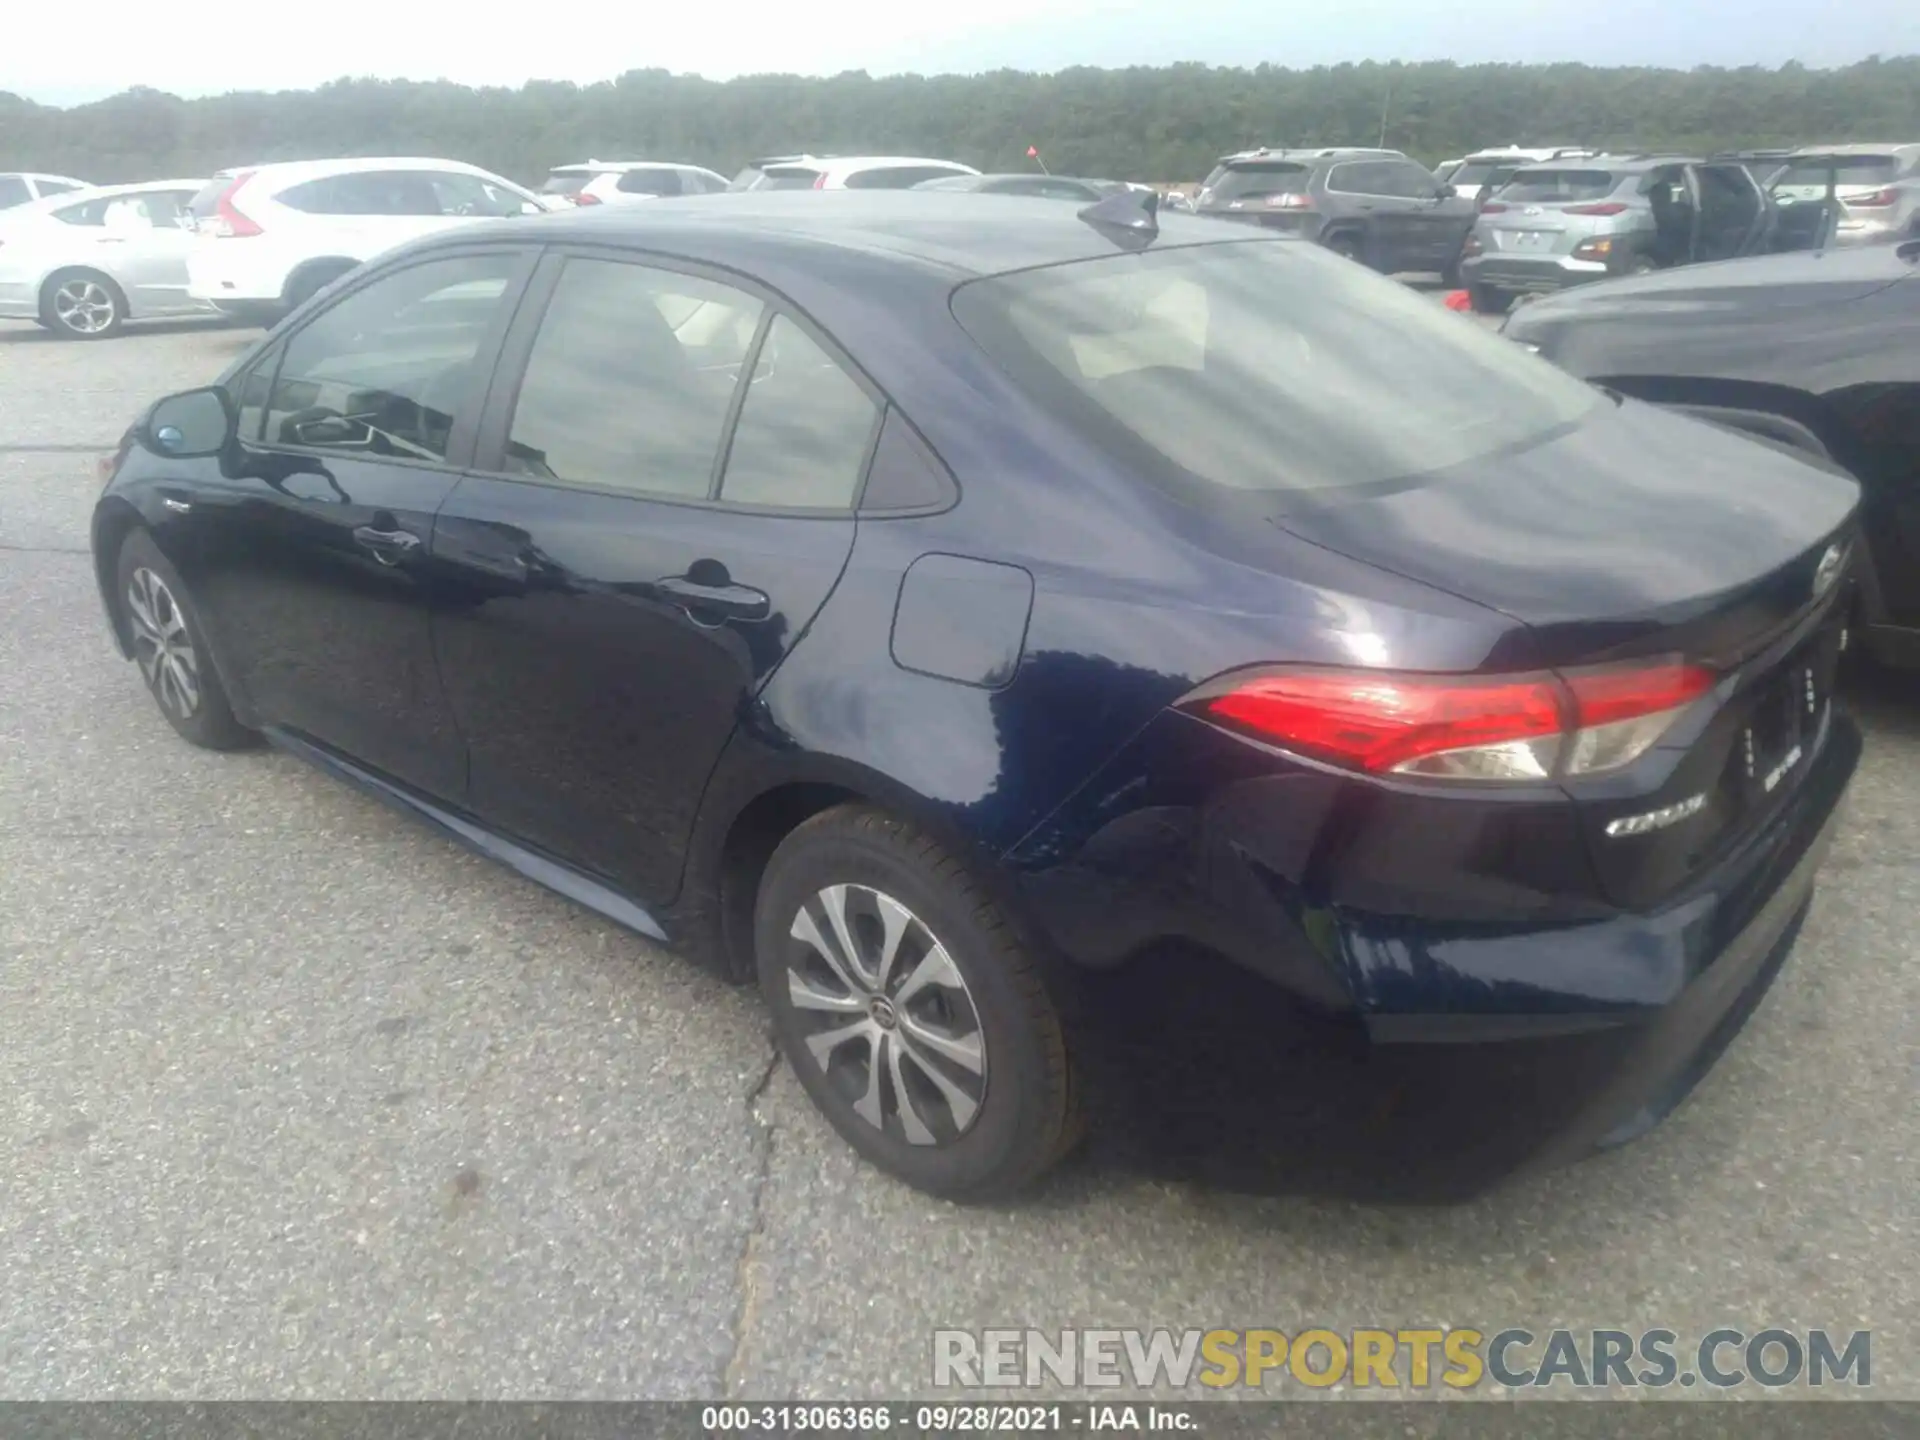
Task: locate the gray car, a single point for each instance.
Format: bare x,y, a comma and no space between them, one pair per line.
1876,193
1572,221
1375,206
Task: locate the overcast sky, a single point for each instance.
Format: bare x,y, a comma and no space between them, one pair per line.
198,47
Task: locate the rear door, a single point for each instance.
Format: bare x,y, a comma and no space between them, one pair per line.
645,535
1731,209
310,546
150,247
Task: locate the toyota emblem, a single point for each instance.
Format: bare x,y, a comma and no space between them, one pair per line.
1827,571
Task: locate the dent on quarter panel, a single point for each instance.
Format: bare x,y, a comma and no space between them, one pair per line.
962,619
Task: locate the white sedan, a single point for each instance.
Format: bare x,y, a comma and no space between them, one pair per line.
85,263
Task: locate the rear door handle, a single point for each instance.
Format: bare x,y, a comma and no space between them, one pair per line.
389,547
735,602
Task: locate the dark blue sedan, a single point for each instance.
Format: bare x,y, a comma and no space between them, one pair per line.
928,611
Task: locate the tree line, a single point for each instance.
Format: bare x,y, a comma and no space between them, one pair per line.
1165,123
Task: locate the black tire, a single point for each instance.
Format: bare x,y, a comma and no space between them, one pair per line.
82,304
205,718
1640,265
1486,300
1345,244
1026,1100
309,283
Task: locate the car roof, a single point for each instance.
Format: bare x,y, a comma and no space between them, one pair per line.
1032,175
942,235
1857,147
840,164
40,175
1627,164
48,204
612,166
346,165
1323,152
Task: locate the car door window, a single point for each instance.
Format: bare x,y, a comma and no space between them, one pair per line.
1352,179
630,380
383,370
896,177
457,193
651,181
13,191
1403,180
804,431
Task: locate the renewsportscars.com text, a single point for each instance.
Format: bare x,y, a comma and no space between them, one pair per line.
1407,1359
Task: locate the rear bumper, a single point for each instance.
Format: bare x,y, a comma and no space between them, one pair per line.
244,271
1516,1043
1533,275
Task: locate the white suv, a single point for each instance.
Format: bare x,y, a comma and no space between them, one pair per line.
270,236
845,172
623,182
18,187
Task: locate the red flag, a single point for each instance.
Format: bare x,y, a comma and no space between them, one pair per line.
1032,153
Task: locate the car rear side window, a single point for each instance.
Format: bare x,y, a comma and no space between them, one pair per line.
1851,170
566,182
785,177
1264,369
630,380
364,192
13,191
896,177
384,370
1559,187
1258,180
804,431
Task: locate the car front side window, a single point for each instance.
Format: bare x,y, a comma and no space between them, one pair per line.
384,370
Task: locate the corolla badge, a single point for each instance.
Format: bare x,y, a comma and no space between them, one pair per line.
1828,570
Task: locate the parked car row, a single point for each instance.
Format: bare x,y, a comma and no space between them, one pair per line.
707,564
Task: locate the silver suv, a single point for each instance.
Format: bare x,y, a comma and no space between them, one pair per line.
1876,191
1571,221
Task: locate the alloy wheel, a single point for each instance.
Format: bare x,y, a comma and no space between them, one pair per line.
162,645
887,1015
84,306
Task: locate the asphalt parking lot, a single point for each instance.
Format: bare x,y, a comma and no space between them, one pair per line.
303,1101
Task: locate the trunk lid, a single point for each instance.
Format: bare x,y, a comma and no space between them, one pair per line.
1644,534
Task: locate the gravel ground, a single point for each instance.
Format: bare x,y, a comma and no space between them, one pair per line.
302,1101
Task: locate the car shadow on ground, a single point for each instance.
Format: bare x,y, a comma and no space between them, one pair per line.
26,332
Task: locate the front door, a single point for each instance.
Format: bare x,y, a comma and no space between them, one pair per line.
667,500
1730,212
311,548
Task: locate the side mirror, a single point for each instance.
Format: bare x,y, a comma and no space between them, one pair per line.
191,424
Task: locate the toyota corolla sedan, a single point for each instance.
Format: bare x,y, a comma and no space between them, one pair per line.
924,613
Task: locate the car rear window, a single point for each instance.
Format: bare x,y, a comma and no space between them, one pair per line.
1853,170
1265,370
1559,187
784,177
566,182
1256,181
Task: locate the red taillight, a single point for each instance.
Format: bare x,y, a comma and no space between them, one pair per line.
1876,199
229,223
1459,727
1492,207
1290,202
583,198
1604,207
820,181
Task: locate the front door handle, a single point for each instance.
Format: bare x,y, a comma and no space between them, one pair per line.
735,602
389,547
